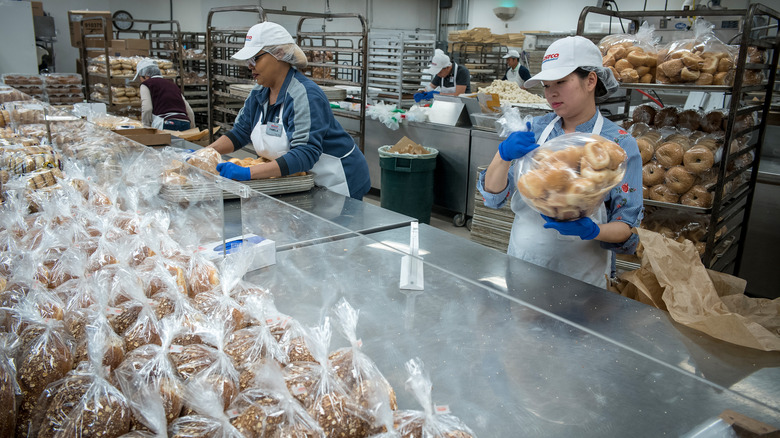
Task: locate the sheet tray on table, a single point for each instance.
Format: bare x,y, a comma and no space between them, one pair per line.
278,186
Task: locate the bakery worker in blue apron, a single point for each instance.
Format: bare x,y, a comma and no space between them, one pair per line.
449,78
574,81
288,120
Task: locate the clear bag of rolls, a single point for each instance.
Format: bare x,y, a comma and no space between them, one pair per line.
632,58
568,177
701,60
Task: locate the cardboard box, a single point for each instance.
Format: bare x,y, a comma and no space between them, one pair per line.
37,8
262,250
92,27
130,47
138,44
147,136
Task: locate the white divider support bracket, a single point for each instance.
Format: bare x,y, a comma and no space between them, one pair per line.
411,266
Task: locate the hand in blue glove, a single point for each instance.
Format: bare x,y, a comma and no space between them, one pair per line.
584,228
234,171
517,144
424,95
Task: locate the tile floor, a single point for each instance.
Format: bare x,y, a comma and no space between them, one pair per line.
439,219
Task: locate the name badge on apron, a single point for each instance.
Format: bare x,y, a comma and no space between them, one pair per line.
273,129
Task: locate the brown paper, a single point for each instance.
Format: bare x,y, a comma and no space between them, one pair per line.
407,146
709,301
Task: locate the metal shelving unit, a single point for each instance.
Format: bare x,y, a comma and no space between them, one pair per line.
396,64
345,68
194,64
484,60
730,213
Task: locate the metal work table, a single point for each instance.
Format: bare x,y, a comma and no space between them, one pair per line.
546,356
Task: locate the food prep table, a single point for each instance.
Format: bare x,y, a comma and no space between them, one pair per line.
545,355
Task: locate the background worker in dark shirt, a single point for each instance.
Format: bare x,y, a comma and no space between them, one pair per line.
162,104
449,77
516,72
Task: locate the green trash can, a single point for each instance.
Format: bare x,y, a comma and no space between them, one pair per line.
407,182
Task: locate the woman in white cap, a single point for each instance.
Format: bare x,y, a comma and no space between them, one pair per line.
449,78
288,120
574,81
516,72
163,106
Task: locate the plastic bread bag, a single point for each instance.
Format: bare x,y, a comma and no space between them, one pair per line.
220,375
148,368
632,58
294,341
254,343
321,392
512,121
356,371
701,60
568,177
147,407
429,422
266,408
9,388
202,275
385,114
209,419
101,409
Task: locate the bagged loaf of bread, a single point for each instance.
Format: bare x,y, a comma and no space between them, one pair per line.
426,423
631,57
702,59
568,177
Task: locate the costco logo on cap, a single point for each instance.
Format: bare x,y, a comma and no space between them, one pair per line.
550,57
249,37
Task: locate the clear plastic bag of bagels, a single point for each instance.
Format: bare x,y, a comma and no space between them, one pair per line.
631,57
568,177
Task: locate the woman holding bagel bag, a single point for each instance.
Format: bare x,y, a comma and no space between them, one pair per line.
574,81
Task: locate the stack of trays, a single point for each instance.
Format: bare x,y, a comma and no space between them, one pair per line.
278,186
491,227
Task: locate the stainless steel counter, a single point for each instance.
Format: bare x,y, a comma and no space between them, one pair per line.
543,356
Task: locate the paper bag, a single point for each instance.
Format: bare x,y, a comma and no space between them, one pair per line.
489,102
673,278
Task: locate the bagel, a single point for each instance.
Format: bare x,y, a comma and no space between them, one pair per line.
698,159
596,155
557,177
629,76
531,185
579,188
652,174
679,180
571,156
711,121
616,156
637,57
666,117
697,196
669,154
689,119
662,193
646,79
597,176
644,114
623,64
645,192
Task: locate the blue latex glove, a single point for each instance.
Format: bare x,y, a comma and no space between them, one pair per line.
424,95
517,144
584,228
234,171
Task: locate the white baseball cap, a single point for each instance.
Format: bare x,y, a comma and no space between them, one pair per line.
564,56
260,36
512,54
439,61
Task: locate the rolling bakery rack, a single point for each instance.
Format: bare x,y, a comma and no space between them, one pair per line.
397,60
335,59
730,212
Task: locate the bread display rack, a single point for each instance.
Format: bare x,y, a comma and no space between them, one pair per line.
193,73
484,60
396,63
730,212
164,44
342,66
